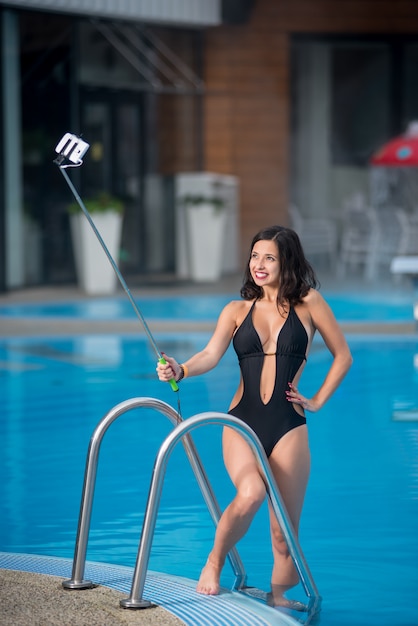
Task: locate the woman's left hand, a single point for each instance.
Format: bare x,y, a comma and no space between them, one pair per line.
294,396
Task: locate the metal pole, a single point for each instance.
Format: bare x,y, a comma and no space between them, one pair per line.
141,318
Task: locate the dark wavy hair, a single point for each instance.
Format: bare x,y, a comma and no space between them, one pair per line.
296,273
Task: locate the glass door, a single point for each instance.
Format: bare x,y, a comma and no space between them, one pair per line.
117,162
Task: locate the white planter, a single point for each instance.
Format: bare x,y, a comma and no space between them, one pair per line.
205,234
208,184
95,273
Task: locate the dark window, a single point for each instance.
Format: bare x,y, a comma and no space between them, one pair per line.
360,101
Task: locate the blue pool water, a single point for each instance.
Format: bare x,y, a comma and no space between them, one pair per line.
357,307
358,530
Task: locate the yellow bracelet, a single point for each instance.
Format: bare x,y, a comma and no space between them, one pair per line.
185,370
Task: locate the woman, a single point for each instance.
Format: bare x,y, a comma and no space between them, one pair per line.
272,330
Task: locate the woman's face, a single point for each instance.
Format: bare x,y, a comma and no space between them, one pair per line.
264,263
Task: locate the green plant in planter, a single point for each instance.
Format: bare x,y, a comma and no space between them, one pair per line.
196,200
102,203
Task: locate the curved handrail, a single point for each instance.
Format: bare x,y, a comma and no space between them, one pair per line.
77,581
135,599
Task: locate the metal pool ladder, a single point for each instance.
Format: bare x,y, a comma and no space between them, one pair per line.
180,433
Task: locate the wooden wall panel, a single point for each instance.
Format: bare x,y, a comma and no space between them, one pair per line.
250,73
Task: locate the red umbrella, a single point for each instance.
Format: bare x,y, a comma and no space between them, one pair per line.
401,151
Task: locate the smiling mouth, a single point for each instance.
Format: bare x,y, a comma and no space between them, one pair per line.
260,275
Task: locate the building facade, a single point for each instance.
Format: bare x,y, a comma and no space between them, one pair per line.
290,96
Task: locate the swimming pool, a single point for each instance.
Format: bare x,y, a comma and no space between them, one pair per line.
397,305
358,530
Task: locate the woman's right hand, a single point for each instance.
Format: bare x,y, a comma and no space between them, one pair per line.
169,370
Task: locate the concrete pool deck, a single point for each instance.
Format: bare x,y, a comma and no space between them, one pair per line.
27,599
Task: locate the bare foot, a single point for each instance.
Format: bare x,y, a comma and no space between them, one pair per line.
209,579
293,605
281,602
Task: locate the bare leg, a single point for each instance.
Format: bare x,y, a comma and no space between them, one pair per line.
242,468
290,464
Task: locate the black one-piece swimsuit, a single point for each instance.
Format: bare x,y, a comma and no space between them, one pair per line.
271,420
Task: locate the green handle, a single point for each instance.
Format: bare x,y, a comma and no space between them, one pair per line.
174,386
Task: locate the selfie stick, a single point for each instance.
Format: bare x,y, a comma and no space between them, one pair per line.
71,149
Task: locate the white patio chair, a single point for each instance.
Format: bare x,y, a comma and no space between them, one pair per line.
408,244
407,251
372,237
359,240
318,235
